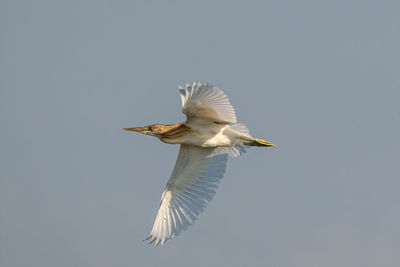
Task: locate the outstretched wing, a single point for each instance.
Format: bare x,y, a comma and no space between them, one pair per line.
207,103
191,186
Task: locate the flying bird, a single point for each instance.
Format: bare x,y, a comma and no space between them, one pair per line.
209,134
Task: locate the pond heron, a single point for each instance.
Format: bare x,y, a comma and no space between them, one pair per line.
209,134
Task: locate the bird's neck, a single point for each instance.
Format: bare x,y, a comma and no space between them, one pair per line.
173,132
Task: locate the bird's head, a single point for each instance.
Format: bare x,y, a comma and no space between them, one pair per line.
152,129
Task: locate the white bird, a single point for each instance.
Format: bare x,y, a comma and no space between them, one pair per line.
208,136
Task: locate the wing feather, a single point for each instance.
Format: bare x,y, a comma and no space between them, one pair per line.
205,102
191,186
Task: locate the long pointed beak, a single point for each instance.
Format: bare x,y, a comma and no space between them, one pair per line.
136,129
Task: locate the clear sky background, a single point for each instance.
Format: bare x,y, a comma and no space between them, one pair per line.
321,79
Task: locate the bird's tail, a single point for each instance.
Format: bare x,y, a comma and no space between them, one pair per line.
247,141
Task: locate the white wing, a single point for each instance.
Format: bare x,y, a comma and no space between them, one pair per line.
204,102
191,186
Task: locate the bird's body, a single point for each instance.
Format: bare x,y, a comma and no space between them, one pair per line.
208,136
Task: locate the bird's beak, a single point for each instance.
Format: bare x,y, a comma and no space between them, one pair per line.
136,129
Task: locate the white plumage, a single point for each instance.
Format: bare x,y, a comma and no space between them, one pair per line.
203,102
192,184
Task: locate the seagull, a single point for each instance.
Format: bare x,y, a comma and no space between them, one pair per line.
209,135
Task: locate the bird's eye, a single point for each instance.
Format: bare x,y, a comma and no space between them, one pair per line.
149,128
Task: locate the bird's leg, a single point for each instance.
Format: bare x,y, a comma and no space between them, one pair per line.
255,142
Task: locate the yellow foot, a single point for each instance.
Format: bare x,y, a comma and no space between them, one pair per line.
255,142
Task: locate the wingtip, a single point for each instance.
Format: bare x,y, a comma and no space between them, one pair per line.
158,241
147,238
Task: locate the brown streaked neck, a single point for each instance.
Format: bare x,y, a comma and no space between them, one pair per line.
172,131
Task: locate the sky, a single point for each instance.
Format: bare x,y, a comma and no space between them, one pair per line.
318,78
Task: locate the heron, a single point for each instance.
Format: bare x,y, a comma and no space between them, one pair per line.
209,135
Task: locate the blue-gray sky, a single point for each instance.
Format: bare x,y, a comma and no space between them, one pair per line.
318,78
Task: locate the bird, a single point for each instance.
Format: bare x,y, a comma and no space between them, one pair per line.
209,135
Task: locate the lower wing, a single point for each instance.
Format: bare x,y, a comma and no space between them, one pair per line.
191,186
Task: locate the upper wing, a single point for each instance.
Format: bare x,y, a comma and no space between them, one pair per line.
203,101
191,186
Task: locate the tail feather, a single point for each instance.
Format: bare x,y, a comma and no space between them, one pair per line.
241,129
